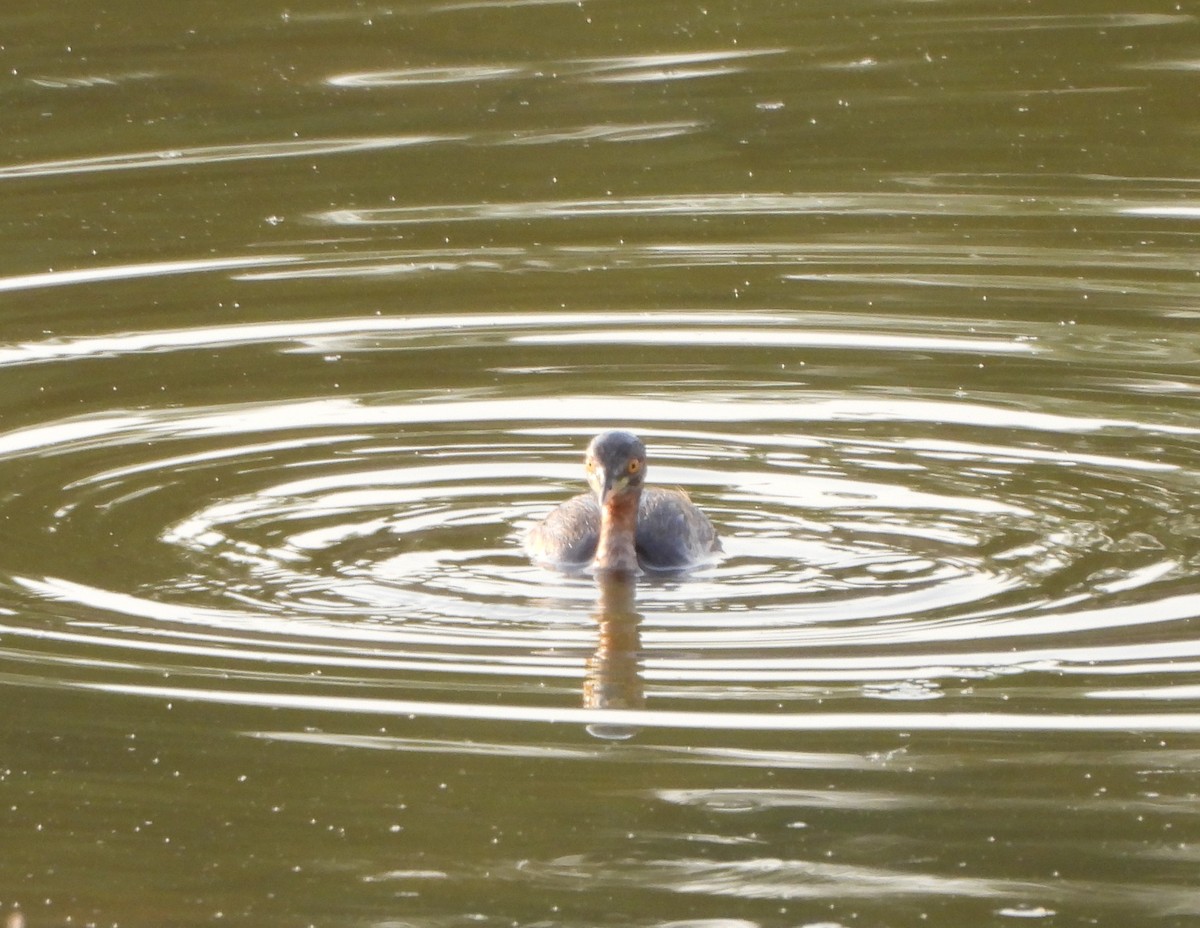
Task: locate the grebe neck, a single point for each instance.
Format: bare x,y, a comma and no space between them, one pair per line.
617,549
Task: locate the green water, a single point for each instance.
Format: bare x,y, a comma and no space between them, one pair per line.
307,313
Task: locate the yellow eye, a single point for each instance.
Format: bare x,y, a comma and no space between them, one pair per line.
634,466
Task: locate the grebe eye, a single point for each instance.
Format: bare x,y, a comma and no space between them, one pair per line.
634,466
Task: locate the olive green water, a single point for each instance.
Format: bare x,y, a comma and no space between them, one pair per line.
307,312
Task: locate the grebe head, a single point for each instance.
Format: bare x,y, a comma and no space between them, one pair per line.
616,466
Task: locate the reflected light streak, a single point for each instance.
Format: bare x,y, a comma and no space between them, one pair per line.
595,751
416,77
729,337
131,271
340,414
1173,211
735,721
839,203
259,332
215,154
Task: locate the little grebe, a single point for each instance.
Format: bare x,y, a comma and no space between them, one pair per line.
623,525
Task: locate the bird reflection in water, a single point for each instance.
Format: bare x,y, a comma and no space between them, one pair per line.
614,671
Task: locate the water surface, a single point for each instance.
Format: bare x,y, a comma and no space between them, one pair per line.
308,313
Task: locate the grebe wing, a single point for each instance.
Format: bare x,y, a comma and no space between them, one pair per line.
672,531
569,534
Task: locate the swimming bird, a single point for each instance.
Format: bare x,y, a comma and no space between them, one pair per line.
623,525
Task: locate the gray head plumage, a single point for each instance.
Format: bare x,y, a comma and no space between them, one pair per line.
616,462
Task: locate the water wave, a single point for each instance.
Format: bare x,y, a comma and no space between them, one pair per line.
311,544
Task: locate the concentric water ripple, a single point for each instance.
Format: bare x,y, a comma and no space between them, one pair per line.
309,313
371,543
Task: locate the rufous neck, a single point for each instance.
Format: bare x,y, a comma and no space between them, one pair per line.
617,548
